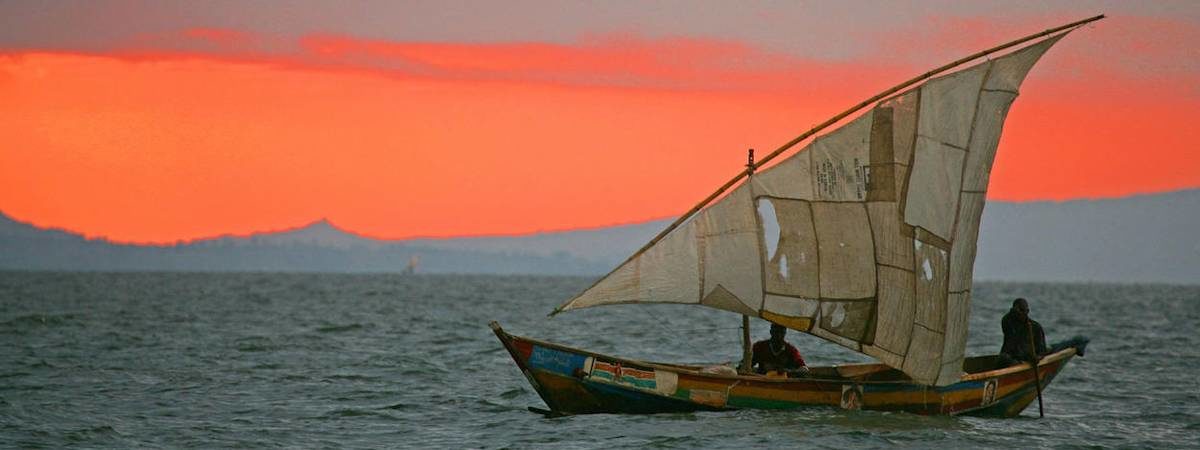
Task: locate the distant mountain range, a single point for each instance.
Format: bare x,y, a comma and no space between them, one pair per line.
1149,238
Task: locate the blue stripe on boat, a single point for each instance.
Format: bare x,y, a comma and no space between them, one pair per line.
556,361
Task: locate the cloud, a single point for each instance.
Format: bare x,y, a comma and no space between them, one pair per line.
222,37
1144,49
625,60
1131,49
209,131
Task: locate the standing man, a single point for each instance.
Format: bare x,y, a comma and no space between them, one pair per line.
778,355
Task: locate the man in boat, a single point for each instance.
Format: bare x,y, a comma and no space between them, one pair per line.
776,354
1017,327
1017,342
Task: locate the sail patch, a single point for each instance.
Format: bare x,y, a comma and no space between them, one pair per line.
948,106
881,174
962,254
791,178
793,268
769,224
904,124
846,250
924,357
840,162
895,309
731,254
670,271
955,345
794,313
989,121
893,238
796,323
852,320
930,287
1009,71
934,186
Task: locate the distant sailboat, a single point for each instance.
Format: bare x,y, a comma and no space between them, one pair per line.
865,238
411,268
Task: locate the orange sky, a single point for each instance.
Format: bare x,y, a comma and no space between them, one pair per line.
394,139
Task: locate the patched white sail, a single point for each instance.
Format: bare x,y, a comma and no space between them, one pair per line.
866,237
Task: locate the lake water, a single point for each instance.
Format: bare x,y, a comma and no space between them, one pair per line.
345,361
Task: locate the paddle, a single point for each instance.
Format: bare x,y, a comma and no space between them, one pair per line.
1037,378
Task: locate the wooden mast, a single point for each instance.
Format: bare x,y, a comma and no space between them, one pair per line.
747,350
814,130
747,347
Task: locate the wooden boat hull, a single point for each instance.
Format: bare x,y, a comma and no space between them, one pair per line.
573,381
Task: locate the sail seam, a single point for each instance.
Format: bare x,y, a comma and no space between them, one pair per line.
1001,90
798,297
849,300
927,237
726,233
874,322
895,267
945,143
817,248
919,324
876,347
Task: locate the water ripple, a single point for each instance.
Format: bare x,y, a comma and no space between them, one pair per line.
310,360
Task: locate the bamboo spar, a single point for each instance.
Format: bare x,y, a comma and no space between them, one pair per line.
814,130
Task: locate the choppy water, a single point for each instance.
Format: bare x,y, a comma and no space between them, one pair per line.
297,360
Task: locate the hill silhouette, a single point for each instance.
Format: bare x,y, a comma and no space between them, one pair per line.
1148,238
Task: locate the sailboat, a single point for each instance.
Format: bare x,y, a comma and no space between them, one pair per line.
865,238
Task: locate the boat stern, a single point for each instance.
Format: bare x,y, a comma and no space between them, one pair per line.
1007,392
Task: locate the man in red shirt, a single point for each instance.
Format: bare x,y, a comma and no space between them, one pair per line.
778,355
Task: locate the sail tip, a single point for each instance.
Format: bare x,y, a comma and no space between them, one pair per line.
1094,18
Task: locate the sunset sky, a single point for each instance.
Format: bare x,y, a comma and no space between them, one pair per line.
161,122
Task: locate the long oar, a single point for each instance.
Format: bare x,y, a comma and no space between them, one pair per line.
1037,378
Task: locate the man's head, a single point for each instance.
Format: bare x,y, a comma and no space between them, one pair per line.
1021,307
777,332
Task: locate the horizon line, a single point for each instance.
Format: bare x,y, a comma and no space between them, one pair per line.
332,224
